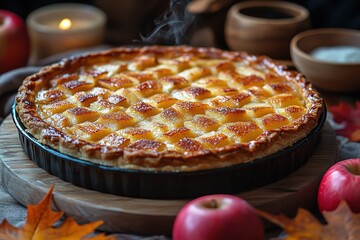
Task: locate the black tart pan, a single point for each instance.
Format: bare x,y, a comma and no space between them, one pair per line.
169,185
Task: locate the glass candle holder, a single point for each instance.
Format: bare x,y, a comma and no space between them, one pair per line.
61,27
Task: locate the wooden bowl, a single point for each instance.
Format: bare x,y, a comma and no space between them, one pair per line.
326,74
265,28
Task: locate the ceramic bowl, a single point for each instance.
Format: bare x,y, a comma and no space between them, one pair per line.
327,74
265,28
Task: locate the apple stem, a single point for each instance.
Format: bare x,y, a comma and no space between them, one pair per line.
212,204
353,169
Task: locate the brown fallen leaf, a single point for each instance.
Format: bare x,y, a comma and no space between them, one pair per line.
342,224
39,225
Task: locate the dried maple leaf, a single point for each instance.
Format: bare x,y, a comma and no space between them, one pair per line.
350,118
342,224
39,225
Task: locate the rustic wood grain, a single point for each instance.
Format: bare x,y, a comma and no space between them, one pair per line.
28,183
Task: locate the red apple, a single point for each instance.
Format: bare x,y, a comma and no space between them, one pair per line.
341,182
14,41
217,216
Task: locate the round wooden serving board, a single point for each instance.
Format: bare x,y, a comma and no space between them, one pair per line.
28,184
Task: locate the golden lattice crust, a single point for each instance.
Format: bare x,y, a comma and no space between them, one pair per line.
168,108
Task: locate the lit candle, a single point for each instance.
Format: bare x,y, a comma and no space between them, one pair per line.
65,24
61,27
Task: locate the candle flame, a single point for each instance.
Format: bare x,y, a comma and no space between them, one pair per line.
65,24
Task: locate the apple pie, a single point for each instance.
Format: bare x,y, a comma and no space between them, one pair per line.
168,108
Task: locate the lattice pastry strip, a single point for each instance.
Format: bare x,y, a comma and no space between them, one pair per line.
241,131
89,131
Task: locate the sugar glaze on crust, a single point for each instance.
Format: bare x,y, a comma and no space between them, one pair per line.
168,108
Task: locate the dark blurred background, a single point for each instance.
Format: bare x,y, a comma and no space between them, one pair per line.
134,21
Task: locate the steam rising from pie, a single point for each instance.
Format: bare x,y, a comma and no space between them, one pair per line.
171,26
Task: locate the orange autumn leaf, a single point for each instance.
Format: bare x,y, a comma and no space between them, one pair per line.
39,225
342,224
349,117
